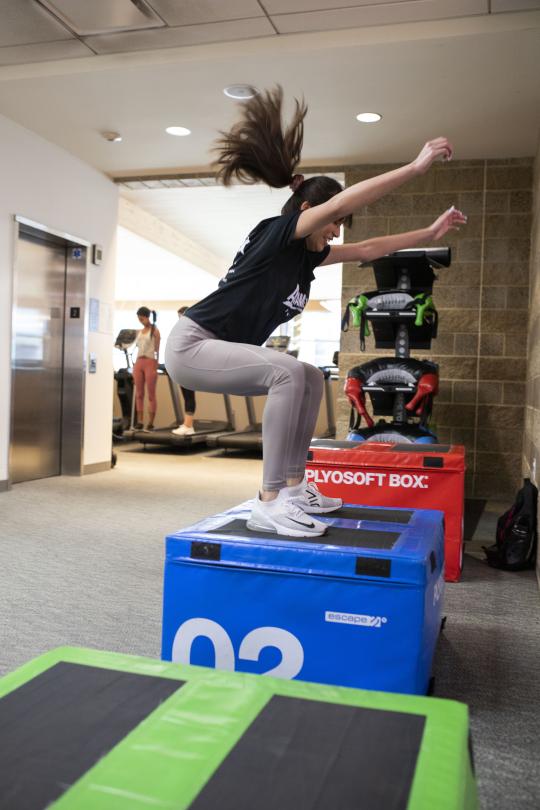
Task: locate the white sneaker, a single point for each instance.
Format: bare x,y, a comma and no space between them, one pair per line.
283,517
310,500
183,431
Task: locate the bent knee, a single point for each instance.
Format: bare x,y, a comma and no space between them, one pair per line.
314,377
291,375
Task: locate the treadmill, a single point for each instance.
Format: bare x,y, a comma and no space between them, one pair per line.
329,373
250,438
124,386
203,427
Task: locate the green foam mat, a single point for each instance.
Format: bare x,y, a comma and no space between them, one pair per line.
175,736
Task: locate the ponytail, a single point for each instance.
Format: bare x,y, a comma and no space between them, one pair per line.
257,147
145,312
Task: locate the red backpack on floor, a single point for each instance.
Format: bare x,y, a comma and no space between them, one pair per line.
516,537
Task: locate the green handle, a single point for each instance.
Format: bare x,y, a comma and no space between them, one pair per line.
356,312
357,306
421,310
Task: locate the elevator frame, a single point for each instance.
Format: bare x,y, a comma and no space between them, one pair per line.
75,343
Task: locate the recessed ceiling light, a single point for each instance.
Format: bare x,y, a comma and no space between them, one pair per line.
112,137
368,118
180,131
240,91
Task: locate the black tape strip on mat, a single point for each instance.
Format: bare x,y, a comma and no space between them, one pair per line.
308,755
335,536
55,727
402,516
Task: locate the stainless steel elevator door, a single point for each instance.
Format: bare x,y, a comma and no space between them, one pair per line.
38,346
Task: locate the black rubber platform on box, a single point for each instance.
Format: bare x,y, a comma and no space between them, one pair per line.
55,727
309,755
335,444
417,447
421,448
402,516
335,536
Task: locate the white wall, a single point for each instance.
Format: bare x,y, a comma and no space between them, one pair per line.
48,185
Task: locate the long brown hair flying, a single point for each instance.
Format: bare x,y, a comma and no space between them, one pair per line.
258,147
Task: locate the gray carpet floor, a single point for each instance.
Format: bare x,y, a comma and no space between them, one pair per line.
81,563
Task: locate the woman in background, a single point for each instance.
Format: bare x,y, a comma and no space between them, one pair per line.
186,428
145,368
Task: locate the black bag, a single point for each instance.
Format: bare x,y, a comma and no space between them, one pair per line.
515,549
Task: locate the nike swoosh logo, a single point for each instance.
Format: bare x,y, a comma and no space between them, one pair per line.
305,525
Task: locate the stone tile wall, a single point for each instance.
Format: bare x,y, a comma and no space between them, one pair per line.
531,437
482,300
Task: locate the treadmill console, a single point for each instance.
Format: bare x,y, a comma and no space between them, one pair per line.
278,342
125,338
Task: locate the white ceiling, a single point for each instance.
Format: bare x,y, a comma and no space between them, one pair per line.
468,69
465,68
217,218
30,24
171,279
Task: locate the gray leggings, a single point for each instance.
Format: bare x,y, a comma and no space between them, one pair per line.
195,358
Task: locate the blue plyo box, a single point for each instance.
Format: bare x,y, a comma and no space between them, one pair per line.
360,607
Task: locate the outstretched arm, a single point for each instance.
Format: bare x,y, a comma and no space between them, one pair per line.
368,191
372,249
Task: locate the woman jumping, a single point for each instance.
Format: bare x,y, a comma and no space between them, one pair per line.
217,347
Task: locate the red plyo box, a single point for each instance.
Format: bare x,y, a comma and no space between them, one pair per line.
421,476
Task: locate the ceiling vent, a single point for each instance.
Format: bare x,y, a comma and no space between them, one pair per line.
86,18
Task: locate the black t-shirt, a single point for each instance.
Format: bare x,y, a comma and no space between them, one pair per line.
267,284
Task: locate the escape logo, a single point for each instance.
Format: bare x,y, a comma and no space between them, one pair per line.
359,619
378,479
